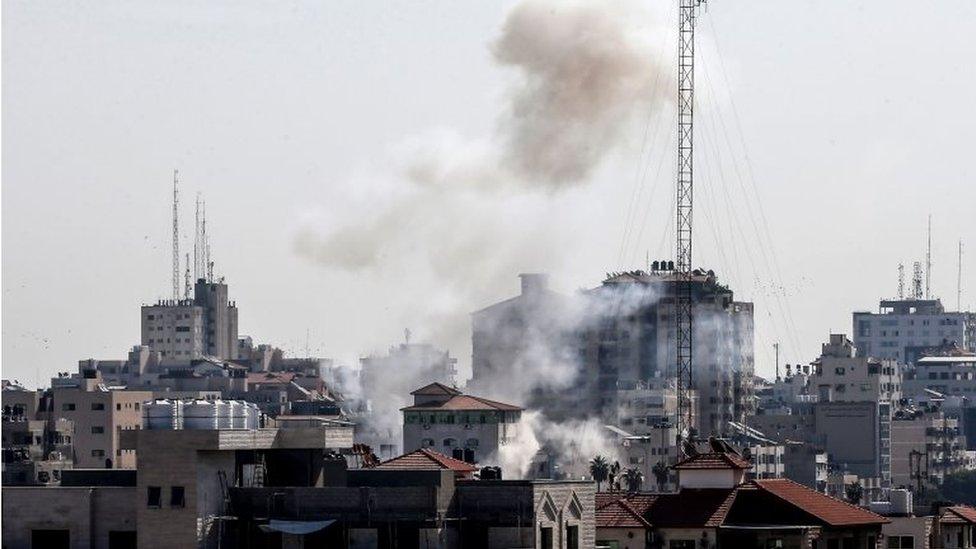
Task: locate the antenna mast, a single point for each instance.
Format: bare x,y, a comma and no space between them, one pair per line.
917,280
186,279
959,280
197,271
686,107
901,281
928,262
176,236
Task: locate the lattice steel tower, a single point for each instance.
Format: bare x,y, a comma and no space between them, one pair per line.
176,236
686,108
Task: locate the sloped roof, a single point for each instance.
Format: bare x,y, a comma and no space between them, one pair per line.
959,514
463,402
618,513
691,508
283,378
426,459
833,512
438,389
713,460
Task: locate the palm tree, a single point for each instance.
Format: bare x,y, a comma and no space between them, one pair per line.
599,470
660,471
634,479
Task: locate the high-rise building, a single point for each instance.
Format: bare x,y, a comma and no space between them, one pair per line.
904,329
619,338
189,329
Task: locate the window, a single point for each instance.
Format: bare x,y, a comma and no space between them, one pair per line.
118,406
154,496
901,542
572,537
471,443
68,407
98,453
177,497
450,442
98,406
97,430
545,538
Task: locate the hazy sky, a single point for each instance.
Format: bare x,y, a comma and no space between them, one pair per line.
855,120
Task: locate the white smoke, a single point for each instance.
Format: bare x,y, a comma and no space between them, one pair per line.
575,442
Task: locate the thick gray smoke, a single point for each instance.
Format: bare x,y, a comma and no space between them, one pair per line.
585,71
454,219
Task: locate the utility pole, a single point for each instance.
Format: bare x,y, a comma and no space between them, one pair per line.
687,12
176,236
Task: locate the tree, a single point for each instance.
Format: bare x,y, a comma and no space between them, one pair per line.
634,479
660,471
854,492
960,488
599,470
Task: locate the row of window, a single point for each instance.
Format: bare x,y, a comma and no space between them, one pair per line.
98,406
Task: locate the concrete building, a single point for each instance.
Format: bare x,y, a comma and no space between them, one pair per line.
903,329
184,475
856,437
956,527
842,375
466,427
952,374
410,360
189,329
925,446
806,465
89,512
99,416
618,337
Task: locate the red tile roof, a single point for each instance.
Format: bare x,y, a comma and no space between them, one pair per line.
270,377
436,389
618,513
959,514
463,402
426,459
713,460
832,511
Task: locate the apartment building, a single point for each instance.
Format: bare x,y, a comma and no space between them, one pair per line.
99,415
842,375
466,427
615,338
188,329
903,329
926,445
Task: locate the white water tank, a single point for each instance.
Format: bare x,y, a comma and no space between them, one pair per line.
200,415
222,408
162,414
901,501
253,416
235,413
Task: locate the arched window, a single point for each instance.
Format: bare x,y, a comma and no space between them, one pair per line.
471,443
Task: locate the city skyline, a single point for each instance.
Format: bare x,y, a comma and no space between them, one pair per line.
310,145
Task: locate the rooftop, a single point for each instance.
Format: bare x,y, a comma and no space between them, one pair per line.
959,514
436,389
713,460
426,459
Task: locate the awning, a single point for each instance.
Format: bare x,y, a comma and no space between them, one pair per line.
297,527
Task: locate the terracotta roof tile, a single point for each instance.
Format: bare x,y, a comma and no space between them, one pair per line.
959,514
463,402
832,511
618,513
436,389
426,459
713,460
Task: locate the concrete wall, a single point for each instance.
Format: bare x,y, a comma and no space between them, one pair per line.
89,514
